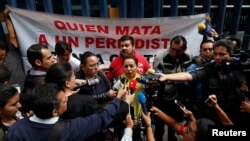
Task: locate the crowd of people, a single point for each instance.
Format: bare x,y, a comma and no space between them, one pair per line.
72,98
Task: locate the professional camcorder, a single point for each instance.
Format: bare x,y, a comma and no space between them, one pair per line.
242,55
90,82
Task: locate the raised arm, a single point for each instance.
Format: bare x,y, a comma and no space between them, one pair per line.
171,122
182,76
222,115
150,132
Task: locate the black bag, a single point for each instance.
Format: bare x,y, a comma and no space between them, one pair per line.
56,131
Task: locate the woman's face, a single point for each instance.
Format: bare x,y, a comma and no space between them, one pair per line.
91,67
130,67
11,107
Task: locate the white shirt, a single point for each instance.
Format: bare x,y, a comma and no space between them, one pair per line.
75,63
127,136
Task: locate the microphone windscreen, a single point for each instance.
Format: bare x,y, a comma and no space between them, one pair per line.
141,98
97,80
201,27
151,71
133,85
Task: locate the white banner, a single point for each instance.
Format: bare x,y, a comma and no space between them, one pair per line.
100,35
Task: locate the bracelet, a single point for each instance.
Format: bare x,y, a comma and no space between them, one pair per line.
148,125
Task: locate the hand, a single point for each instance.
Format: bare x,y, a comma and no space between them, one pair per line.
244,87
188,113
208,19
129,98
163,77
81,81
213,99
155,110
214,34
6,11
122,92
199,61
146,118
129,122
75,91
245,106
112,93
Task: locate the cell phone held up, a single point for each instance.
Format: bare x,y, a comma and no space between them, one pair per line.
178,103
208,101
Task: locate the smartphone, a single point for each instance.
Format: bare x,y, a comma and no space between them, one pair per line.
208,101
178,103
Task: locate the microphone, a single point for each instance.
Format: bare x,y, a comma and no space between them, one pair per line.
151,71
143,80
151,75
92,81
205,29
118,84
142,100
75,56
133,86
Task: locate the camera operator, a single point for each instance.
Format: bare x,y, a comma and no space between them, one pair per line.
218,78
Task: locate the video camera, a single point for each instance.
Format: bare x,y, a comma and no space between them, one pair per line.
148,79
90,82
242,55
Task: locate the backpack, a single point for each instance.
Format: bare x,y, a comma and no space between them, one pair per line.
3,131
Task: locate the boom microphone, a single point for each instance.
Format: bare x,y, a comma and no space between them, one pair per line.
133,86
90,82
142,100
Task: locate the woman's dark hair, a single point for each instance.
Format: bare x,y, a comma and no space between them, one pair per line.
6,92
59,73
85,56
130,57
